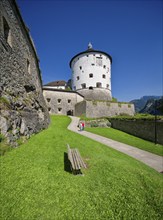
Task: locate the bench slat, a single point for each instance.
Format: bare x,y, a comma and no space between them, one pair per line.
75,159
70,158
82,164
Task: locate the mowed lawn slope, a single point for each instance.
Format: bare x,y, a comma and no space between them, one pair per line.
35,185
125,138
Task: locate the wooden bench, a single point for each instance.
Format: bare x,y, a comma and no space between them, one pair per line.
76,161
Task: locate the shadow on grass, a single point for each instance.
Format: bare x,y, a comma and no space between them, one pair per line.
67,164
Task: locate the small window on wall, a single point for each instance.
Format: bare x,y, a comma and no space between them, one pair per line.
59,100
77,78
69,100
90,88
28,67
83,86
107,86
80,67
49,109
98,85
48,99
91,75
7,31
99,61
104,76
59,110
104,66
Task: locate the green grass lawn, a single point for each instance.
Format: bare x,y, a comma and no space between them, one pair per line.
123,137
36,186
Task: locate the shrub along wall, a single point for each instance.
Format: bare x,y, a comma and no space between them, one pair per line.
141,128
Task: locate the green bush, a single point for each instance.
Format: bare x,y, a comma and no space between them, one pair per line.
136,117
114,99
4,103
4,146
94,124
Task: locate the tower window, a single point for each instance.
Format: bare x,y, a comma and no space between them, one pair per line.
91,75
69,100
104,76
77,78
80,67
98,85
48,99
90,88
99,61
59,109
104,66
49,109
59,100
92,64
83,86
7,31
107,86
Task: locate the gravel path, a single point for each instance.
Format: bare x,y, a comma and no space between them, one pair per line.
152,160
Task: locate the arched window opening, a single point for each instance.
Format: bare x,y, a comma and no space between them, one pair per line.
83,86
7,32
98,85
90,88
59,110
91,75
28,67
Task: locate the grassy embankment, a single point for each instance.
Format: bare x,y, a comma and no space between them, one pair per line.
35,183
125,138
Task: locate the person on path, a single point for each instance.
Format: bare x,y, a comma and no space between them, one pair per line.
83,125
80,126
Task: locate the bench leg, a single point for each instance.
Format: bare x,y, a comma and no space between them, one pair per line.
77,172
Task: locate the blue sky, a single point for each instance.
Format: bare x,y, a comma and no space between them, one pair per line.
130,31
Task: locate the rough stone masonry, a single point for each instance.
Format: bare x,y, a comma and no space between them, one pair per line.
22,106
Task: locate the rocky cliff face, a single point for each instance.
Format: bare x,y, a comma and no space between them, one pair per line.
140,103
22,106
153,107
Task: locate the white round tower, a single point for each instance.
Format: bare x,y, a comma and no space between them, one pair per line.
91,74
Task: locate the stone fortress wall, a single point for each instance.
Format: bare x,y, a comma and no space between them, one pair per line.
141,128
23,109
96,109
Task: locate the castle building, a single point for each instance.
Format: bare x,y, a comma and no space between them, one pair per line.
59,84
91,74
91,88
